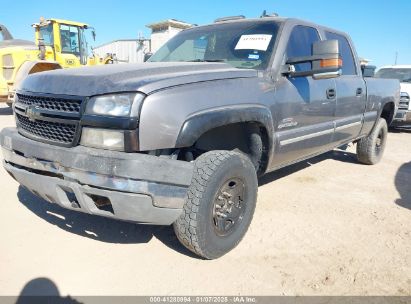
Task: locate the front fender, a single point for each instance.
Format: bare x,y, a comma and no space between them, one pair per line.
166,115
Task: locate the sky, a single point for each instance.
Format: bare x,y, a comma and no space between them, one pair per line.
379,29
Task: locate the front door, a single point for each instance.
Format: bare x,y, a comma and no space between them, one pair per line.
304,108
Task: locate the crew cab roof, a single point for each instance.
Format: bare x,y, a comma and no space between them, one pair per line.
277,19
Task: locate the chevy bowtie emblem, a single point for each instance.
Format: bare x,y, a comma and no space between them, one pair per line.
32,113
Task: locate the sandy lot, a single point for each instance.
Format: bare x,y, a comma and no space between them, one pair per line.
329,226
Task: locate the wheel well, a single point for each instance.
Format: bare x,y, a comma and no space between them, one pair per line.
31,67
44,66
388,112
251,138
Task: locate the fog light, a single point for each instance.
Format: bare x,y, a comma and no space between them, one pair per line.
102,138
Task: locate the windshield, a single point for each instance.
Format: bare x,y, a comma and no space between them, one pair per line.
403,74
242,45
85,48
46,33
87,40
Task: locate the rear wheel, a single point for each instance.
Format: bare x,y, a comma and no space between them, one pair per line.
371,148
220,204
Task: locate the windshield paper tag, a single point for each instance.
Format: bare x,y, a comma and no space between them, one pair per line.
253,42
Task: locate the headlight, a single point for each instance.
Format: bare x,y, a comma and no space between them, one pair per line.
102,138
119,105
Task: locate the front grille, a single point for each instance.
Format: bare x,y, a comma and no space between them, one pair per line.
404,102
51,103
51,131
403,105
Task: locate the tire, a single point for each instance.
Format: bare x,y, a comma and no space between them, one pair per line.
371,148
218,176
256,146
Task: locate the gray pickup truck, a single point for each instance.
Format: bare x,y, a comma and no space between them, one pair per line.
181,139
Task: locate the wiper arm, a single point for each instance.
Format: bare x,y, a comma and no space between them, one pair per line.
206,60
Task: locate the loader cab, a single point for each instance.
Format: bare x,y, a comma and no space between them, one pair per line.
66,42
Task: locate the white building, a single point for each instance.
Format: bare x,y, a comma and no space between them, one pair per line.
364,61
162,31
133,50
126,50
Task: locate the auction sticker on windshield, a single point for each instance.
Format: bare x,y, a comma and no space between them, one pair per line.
253,42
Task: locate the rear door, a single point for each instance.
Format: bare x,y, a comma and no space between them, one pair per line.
304,107
351,94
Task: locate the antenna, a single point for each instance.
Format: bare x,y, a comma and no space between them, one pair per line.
140,38
265,15
396,58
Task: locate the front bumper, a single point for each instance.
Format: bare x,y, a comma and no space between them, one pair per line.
402,118
127,186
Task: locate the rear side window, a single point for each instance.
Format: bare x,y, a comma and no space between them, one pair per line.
348,67
300,44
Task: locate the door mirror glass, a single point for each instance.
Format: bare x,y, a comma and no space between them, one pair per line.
147,56
368,70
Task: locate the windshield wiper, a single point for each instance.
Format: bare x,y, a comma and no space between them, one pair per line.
406,80
206,60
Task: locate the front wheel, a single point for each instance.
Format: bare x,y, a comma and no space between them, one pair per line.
220,204
371,148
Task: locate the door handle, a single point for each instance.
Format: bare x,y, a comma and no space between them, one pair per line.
331,93
359,92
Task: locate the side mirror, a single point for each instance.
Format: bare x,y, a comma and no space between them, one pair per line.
368,70
325,61
147,56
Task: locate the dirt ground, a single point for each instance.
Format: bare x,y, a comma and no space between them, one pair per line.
328,226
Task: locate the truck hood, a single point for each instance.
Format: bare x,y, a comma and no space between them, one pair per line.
143,77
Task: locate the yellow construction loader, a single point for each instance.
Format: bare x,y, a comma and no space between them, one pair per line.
58,44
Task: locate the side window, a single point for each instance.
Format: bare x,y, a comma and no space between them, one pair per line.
46,32
69,36
300,44
348,67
